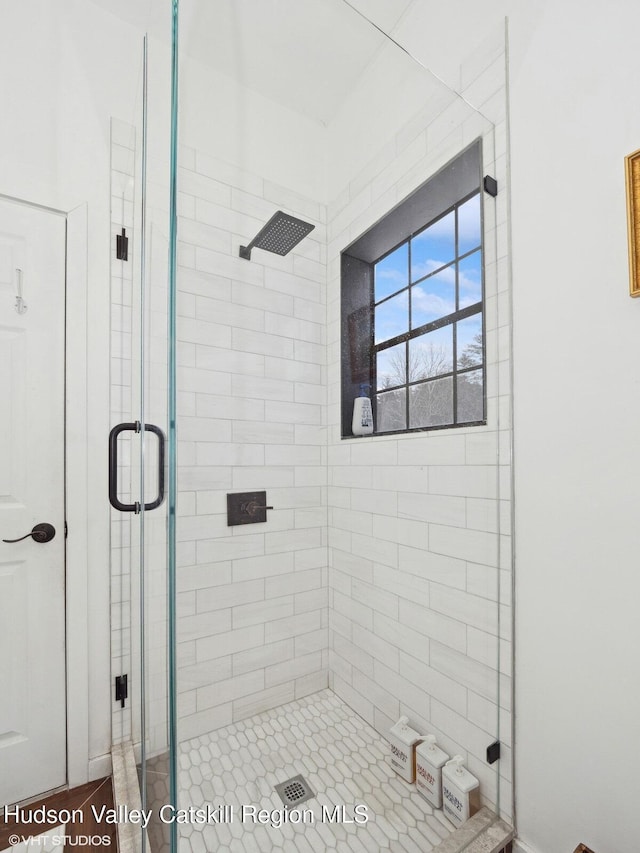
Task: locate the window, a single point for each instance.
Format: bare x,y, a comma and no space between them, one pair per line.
428,343
414,311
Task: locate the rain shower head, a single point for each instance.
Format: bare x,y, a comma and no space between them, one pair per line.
281,233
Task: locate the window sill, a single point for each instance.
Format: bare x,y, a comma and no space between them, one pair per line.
416,431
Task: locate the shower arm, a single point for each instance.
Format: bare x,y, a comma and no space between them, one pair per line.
245,251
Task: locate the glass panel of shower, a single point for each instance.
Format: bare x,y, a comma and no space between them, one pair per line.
361,580
140,444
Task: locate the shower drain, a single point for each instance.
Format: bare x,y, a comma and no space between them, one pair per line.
294,791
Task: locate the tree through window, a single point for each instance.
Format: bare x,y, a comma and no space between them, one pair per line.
412,307
428,350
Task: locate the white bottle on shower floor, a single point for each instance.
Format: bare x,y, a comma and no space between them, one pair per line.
459,791
362,423
403,740
429,762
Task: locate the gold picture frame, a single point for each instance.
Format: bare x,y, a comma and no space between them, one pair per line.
632,176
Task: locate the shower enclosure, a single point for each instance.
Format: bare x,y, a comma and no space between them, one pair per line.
376,584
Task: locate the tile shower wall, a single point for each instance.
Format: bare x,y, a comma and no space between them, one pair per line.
419,579
419,524
252,599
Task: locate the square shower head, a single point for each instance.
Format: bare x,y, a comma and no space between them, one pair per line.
281,233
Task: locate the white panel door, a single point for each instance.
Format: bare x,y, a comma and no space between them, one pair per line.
32,600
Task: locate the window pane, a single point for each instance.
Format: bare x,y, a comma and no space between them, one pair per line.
434,247
470,280
391,410
431,403
390,274
392,317
469,225
391,366
431,354
470,397
469,341
434,297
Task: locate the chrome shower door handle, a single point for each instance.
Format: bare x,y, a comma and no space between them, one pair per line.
40,533
136,427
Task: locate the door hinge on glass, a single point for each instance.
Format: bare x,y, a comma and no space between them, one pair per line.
122,691
490,185
66,530
493,752
122,246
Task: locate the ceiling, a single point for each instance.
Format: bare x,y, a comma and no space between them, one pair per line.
304,54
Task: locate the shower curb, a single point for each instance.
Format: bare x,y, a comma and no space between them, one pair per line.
485,832
126,791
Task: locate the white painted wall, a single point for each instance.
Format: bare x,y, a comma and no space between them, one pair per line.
573,73
65,69
577,406
239,126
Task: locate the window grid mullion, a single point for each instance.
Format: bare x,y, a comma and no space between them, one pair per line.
406,352
406,386
440,323
422,380
454,390
412,334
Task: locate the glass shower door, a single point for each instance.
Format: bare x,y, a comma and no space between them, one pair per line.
138,442
151,713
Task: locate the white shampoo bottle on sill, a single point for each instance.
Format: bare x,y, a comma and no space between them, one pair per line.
362,423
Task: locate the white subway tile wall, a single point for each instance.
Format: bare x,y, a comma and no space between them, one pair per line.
419,534
384,570
255,632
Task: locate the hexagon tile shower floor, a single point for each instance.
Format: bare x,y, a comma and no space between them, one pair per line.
341,757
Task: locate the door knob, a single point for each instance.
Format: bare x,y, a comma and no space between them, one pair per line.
41,533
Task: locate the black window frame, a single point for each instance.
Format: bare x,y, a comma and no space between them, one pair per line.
441,322
443,193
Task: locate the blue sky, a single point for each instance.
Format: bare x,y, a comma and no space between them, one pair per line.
432,249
